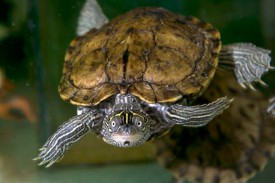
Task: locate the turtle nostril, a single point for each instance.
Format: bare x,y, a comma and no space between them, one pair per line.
126,143
127,125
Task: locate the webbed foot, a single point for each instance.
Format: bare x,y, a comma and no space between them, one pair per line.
66,135
247,62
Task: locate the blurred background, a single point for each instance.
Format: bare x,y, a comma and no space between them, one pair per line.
34,35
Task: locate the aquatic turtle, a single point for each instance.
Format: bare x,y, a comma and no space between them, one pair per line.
232,148
137,76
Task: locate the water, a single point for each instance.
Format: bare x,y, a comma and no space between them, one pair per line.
33,39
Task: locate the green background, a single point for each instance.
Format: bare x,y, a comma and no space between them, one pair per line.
34,36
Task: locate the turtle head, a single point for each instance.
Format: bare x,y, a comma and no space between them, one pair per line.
126,128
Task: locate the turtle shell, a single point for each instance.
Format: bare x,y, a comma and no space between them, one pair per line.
230,149
151,53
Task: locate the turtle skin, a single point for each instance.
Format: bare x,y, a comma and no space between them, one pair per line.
151,53
231,149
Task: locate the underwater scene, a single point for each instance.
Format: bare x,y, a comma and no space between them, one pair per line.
135,91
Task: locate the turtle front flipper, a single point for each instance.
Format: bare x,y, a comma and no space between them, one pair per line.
67,134
91,17
246,61
198,115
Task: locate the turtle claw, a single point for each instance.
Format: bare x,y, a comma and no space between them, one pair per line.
247,85
42,162
50,164
251,86
262,83
49,156
42,149
243,85
51,152
36,159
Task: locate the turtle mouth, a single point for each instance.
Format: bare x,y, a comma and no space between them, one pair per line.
128,140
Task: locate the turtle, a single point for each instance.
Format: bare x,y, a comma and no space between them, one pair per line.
232,148
135,77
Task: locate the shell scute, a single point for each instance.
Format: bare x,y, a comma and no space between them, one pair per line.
88,70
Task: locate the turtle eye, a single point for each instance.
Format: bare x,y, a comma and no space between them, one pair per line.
114,124
138,121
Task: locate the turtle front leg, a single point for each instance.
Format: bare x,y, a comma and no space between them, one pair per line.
91,17
195,116
246,61
67,134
